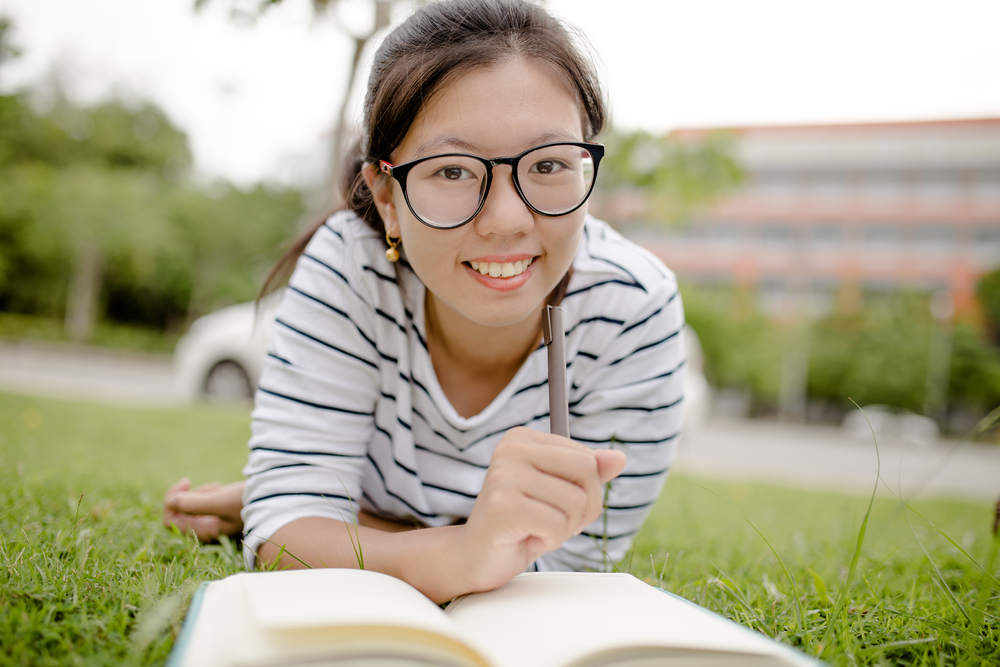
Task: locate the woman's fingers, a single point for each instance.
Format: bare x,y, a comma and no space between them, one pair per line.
183,484
563,459
210,510
610,464
210,486
552,471
575,465
558,503
219,500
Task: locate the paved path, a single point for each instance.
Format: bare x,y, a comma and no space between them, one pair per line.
826,457
808,456
87,373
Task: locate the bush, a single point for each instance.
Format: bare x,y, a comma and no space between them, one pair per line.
875,355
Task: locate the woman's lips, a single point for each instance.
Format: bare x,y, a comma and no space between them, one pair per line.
502,276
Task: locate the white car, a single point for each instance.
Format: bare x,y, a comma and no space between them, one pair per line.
221,356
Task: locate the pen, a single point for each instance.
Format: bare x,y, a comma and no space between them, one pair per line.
554,336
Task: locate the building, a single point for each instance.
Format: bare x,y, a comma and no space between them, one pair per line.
828,213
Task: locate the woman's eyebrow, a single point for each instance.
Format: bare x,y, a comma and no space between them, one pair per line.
435,145
448,143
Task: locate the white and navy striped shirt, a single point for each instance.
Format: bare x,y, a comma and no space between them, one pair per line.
349,407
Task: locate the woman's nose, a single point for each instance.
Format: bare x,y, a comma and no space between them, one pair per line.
504,212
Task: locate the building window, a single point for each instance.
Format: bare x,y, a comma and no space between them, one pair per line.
772,294
828,185
725,232
936,238
826,234
881,236
939,184
987,242
822,297
987,184
774,234
884,184
988,235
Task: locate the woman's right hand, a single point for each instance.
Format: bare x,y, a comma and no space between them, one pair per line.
209,511
540,490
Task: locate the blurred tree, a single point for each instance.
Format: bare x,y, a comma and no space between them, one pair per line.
97,215
81,215
876,355
988,292
742,346
82,185
230,238
8,50
380,11
674,178
975,371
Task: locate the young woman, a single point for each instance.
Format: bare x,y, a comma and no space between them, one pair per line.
406,383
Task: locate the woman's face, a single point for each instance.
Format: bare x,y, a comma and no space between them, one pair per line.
492,112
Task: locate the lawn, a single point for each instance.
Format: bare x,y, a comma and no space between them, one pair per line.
88,575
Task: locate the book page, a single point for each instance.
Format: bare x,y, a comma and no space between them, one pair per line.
338,616
594,619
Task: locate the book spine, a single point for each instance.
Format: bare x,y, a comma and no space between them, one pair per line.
177,653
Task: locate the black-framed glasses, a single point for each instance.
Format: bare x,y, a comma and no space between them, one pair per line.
447,191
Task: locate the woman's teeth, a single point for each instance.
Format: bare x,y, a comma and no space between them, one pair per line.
505,270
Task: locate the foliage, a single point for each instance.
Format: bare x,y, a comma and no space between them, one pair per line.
8,49
88,575
675,177
988,291
742,347
16,326
98,218
876,354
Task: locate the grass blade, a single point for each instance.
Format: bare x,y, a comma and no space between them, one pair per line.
791,579
845,590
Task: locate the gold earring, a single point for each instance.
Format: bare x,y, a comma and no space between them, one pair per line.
391,253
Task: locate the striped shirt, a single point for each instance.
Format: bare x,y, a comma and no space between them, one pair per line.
349,410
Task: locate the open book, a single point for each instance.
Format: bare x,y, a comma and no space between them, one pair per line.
357,618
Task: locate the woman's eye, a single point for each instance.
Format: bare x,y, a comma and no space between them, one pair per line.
455,173
547,167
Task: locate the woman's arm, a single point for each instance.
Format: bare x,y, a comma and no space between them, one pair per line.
539,491
213,510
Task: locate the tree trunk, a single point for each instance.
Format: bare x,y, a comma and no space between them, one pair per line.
382,14
84,286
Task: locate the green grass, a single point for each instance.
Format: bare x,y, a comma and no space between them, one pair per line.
14,326
89,576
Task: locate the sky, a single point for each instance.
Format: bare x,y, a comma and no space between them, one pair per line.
259,98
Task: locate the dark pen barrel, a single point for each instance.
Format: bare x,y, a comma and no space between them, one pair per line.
554,336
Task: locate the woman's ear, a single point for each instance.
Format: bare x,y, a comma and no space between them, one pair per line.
382,193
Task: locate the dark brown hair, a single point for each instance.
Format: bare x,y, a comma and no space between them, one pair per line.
432,47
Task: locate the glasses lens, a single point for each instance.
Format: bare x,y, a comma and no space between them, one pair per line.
445,191
556,179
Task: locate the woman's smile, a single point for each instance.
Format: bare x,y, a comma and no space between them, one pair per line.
502,273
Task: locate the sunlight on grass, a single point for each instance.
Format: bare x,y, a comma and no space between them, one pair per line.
88,575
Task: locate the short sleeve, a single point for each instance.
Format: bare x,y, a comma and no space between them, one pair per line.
314,412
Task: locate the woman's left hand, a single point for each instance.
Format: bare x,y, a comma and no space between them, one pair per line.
209,511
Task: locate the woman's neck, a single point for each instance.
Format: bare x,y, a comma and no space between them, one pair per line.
473,362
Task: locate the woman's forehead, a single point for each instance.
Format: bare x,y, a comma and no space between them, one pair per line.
497,110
